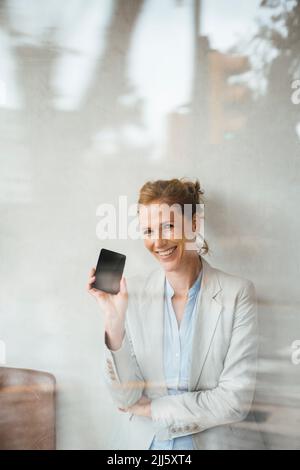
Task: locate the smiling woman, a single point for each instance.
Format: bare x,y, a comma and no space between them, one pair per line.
181,342
169,210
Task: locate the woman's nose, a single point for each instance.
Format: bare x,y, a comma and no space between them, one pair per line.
159,242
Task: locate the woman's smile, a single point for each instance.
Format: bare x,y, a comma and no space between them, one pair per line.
166,254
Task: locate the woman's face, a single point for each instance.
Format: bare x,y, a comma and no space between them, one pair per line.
167,234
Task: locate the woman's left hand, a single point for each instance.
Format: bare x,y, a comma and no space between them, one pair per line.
141,408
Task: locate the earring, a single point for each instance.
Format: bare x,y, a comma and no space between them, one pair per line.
199,242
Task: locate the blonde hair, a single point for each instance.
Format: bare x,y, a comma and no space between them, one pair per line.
174,191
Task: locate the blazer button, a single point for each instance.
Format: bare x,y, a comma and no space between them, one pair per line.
108,361
187,427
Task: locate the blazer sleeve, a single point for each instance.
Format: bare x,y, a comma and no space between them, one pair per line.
122,373
231,400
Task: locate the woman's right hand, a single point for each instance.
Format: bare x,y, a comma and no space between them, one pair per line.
114,307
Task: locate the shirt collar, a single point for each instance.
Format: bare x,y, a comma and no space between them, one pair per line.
192,290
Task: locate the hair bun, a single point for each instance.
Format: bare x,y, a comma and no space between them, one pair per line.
198,188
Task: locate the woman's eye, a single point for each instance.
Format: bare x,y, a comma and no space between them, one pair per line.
147,231
168,226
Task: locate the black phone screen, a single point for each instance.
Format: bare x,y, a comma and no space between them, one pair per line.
109,271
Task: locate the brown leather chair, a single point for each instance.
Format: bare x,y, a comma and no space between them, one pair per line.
27,409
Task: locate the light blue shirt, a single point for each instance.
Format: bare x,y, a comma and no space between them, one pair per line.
178,354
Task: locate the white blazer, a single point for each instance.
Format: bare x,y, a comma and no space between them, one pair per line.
223,369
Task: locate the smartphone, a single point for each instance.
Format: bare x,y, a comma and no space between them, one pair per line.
109,271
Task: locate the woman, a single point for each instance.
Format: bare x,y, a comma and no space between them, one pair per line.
181,343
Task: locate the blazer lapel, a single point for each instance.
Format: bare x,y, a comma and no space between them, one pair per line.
207,316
